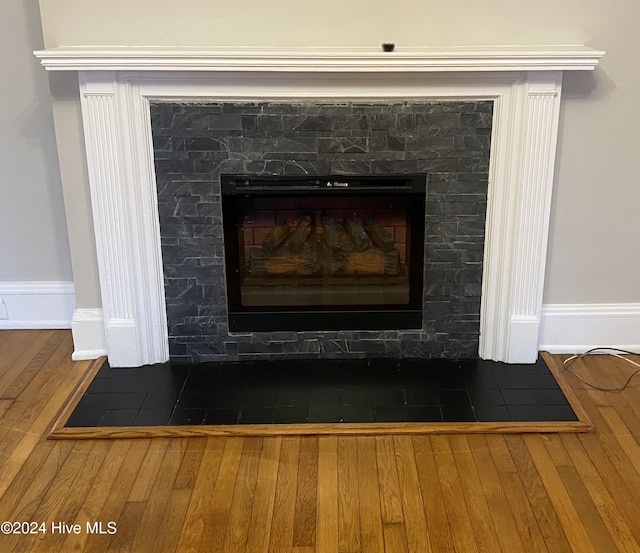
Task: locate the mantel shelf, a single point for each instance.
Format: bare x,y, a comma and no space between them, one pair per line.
462,59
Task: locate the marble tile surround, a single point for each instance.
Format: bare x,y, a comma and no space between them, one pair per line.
194,144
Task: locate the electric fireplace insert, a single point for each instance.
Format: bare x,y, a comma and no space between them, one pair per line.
324,252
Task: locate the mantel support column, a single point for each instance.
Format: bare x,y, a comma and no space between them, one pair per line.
110,205
542,107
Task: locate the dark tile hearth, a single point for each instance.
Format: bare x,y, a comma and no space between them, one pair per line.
322,391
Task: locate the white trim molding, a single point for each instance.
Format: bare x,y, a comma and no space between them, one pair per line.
117,86
568,328
89,339
25,305
481,58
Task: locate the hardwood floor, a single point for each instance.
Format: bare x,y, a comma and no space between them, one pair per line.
458,492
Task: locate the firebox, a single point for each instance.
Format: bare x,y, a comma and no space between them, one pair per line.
324,252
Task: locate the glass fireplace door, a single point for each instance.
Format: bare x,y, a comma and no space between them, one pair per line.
297,249
323,251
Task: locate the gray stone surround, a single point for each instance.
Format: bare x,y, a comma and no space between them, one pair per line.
194,144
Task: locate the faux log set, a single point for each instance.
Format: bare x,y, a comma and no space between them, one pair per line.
347,247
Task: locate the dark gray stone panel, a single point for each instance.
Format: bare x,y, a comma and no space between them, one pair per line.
449,141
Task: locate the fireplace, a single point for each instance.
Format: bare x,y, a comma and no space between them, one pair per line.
324,253
118,85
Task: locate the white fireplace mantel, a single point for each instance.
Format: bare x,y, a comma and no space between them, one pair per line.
117,85
484,58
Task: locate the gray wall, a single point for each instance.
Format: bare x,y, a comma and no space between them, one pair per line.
593,242
33,234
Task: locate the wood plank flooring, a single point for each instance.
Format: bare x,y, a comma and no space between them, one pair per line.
449,492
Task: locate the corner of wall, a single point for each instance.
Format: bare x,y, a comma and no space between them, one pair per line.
89,337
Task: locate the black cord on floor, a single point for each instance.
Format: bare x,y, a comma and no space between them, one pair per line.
616,353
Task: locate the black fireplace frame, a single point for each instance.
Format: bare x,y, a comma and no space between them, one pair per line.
334,318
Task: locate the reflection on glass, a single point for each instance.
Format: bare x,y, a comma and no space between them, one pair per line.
306,251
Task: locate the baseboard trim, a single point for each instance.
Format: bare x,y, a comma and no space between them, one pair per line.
40,305
89,338
575,328
36,305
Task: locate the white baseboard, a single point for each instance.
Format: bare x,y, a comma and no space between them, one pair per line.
89,339
575,328
36,304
